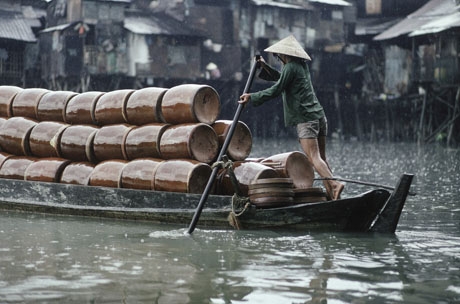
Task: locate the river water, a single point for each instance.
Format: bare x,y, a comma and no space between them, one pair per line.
60,259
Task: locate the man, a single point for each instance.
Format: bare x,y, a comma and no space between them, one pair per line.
301,106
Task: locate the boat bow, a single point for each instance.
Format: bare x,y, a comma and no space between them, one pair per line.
387,219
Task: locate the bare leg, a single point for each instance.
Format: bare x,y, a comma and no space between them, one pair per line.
309,174
322,150
311,148
322,153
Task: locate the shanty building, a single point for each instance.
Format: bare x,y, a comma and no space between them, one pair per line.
161,49
422,59
217,25
83,44
19,23
363,88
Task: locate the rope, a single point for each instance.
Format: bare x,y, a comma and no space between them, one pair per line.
233,221
224,164
227,165
238,202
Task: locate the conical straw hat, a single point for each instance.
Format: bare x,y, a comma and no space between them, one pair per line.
288,46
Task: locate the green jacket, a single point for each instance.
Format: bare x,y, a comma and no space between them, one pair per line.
294,83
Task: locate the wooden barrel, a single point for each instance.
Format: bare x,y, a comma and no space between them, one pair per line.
45,138
192,141
7,95
294,165
77,173
271,192
144,106
241,143
14,135
80,109
76,143
111,107
26,102
140,173
2,121
4,156
144,141
190,103
52,105
46,170
107,174
109,142
309,195
15,167
181,175
246,173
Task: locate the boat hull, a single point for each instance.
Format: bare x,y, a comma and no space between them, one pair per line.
357,213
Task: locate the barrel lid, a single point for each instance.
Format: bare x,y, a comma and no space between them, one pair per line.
275,180
271,185
265,202
271,191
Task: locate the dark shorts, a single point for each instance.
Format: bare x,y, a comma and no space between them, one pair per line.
312,129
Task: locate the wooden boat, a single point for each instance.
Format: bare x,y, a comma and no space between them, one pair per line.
35,178
377,210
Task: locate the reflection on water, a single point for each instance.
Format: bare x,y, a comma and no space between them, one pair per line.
46,259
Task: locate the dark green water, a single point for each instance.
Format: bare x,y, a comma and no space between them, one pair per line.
48,259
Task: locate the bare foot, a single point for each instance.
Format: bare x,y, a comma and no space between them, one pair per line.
337,190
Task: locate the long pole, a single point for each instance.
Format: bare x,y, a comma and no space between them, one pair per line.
223,150
361,183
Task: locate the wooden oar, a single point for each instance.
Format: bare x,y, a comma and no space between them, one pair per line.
362,183
223,150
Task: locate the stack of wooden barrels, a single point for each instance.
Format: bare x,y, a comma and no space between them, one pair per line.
152,139
293,183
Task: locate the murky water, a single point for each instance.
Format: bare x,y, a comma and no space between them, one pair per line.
49,259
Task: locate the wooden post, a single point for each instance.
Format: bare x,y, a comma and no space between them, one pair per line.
454,114
387,120
422,118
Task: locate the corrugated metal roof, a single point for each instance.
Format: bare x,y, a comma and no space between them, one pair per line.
154,25
278,4
142,26
332,2
13,26
438,25
374,26
428,12
57,28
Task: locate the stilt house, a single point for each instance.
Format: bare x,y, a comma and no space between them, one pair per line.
19,23
422,57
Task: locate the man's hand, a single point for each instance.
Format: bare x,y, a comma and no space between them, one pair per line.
261,62
244,98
